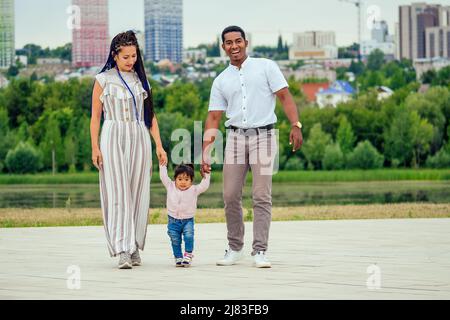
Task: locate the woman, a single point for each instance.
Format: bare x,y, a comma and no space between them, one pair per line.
123,158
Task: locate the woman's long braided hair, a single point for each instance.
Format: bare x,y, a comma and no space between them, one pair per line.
129,39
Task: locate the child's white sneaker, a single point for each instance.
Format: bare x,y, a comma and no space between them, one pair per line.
261,260
230,258
187,259
178,262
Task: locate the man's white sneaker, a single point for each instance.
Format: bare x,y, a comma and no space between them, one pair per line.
230,258
261,260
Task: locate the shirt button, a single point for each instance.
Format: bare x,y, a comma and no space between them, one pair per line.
126,110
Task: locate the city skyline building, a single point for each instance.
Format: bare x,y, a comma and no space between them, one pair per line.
380,31
90,39
163,30
438,42
313,45
414,20
381,40
7,34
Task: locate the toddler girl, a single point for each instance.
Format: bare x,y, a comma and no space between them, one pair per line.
181,206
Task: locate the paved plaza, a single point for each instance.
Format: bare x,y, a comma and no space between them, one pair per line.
346,259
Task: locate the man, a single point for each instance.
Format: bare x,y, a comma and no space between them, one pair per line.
247,92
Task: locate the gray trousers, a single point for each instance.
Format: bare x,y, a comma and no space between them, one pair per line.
257,152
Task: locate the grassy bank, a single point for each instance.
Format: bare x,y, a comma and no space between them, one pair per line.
15,218
282,176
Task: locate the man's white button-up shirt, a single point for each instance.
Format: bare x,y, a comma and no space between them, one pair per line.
247,95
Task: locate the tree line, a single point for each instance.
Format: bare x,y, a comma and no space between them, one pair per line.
45,125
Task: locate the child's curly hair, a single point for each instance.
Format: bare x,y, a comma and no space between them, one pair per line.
186,168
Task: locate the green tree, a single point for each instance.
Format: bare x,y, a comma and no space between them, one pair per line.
345,136
294,163
333,158
431,106
70,147
16,96
168,122
397,80
183,98
356,67
83,144
33,52
5,143
280,48
365,156
265,51
399,138
52,145
13,71
314,147
441,159
367,124
429,76
23,159
371,79
442,78
375,60
422,135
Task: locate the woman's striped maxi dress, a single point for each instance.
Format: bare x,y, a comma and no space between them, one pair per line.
126,150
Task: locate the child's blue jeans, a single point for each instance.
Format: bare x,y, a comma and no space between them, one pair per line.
178,229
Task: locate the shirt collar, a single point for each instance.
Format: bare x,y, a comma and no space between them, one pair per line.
243,64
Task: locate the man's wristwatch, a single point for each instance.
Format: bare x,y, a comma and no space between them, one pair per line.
297,124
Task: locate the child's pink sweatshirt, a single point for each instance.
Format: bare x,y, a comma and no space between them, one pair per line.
182,204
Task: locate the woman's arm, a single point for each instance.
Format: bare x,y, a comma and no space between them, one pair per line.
97,107
160,153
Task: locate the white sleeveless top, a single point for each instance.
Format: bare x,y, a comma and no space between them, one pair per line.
117,101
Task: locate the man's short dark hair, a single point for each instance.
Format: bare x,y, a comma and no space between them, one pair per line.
232,29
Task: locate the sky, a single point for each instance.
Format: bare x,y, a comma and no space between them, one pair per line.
43,22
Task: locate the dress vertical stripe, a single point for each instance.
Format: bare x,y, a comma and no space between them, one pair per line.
125,178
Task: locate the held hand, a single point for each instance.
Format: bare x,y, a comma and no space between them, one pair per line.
205,168
162,156
97,159
296,138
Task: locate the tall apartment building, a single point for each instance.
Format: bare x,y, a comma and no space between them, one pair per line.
380,40
7,43
163,30
438,42
414,20
90,40
380,31
313,45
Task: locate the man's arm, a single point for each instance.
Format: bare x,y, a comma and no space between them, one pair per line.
211,127
290,109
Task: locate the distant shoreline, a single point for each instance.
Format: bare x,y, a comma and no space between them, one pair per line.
282,176
43,217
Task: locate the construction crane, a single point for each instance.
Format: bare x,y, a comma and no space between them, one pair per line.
358,4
